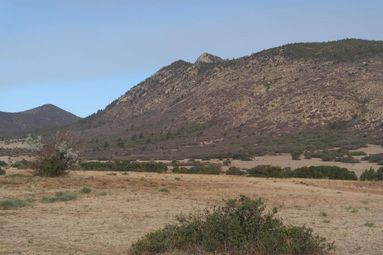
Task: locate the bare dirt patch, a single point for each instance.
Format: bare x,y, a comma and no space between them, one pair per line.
122,208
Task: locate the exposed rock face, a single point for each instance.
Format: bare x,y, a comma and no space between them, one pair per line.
220,103
43,117
208,58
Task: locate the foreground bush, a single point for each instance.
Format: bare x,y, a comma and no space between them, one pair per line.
372,175
126,165
241,226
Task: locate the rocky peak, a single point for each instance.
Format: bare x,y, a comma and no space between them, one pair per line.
208,58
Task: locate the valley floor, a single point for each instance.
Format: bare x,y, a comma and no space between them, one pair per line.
350,213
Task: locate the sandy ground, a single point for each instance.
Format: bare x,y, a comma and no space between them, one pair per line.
133,206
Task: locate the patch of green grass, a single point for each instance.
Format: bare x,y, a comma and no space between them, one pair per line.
241,226
352,209
101,194
163,190
369,224
59,196
15,203
86,190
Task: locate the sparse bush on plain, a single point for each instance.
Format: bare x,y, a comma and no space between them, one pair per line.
2,171
15,203
234,171
372,175
324,172
267,171
241,226
125,165
374,158
59,196
315,172
86,190
206,169
3,163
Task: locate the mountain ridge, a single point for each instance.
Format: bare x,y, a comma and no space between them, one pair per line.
191,108
43,117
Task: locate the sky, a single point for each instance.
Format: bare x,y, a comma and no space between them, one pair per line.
82,54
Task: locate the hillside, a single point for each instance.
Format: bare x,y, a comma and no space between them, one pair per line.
43,117
216,106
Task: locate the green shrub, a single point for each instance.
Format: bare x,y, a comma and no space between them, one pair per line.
59,196
324,172
372,175
347,159
15,203
241,226
125,165
3,163
374,158
207,169
86,190
165,190
357,153
295,155
267,171
22,164
234,171
315,172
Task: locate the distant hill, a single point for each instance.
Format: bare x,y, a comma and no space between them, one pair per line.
40,118
216,105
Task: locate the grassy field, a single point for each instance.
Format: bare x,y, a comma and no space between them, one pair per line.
120,208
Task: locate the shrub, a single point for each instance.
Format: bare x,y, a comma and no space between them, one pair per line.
86,190
3,163
374,158
15,203
55,156
59,196
295,155
267,171
22,164
207,169
372,175
347,159
126,165
324,172
234,171
2,171
357,153
315,172
165,190
241,226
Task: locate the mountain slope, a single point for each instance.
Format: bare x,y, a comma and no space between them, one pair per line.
216,104
43,117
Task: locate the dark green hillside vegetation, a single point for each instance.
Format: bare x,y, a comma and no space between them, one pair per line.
125,165
241,226
339,51
308,140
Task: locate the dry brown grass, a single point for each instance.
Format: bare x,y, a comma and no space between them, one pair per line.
133,206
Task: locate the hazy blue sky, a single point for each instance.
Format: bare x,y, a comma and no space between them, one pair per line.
82,54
